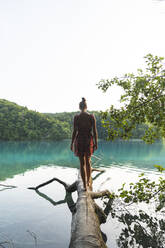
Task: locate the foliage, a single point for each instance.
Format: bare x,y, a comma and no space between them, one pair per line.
143,102
102,131
140,228
144,190
68,117
19,123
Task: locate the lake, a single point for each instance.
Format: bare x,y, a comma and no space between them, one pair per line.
30,220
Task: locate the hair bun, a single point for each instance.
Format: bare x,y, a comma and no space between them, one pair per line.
83,104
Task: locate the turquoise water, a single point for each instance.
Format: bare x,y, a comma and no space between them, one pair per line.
30,220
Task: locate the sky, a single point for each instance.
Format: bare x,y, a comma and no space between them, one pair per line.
54,52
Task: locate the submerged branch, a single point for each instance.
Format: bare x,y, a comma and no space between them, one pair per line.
49,199
34,236
99,174
68,198
99,170
50,181
72,188
69,188
8,186
108,207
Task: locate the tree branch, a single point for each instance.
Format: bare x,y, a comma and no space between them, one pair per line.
99,174
72,188
145,102
108,207
95,195
50,181
8,186
99,170
49,199
68,198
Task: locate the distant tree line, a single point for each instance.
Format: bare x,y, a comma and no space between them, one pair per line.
19,123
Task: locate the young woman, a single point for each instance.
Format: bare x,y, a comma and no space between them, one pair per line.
84,141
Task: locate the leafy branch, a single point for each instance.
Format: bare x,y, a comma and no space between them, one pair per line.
143,99
140,228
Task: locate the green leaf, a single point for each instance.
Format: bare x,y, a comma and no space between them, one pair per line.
159,167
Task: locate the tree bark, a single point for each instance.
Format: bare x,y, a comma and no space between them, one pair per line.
85,227
87,216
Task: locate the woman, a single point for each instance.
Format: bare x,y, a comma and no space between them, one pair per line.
82,141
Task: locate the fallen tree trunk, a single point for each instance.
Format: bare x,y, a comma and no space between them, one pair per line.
85,228
87,216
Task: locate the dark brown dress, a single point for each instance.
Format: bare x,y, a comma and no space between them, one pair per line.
83,144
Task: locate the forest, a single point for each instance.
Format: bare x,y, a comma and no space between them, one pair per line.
20,123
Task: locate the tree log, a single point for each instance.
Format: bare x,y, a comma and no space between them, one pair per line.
85,227
87,216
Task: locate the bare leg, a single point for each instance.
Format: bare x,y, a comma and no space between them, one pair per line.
88,169
83,171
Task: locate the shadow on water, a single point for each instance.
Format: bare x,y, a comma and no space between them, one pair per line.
141,230
18,157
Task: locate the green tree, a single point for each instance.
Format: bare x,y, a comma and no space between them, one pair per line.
19,123
143,112
143,102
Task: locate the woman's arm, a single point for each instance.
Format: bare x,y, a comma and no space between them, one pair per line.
74,133
95,133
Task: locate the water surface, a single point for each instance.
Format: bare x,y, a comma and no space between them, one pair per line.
29,220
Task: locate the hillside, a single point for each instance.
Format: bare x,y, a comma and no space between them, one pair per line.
69,116
19,123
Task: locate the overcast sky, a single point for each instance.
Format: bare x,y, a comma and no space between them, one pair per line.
53,52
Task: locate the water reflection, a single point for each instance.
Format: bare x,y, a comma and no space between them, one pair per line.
18,157
133,152
141,230
23,210
102,214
